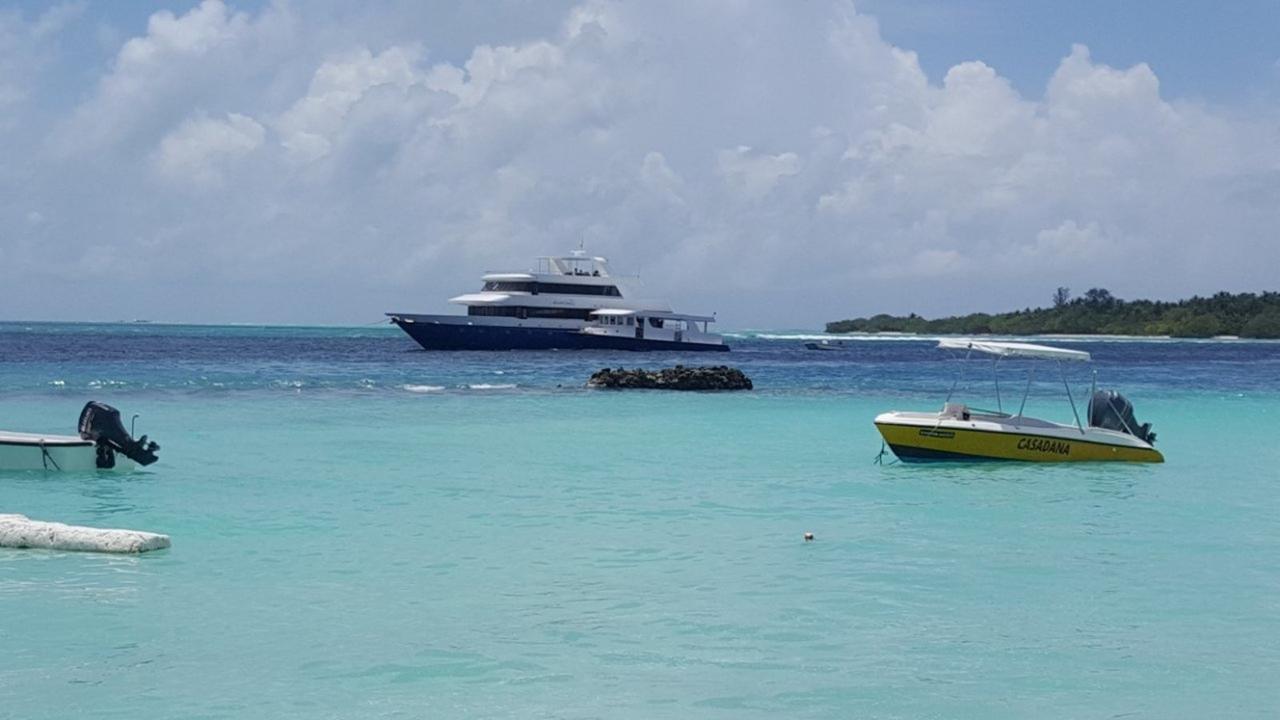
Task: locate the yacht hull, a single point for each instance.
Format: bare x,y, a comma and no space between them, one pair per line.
453,335
951,441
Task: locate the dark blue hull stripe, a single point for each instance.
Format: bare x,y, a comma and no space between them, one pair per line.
915,454
449,336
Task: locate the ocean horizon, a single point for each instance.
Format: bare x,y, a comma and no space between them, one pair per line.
732,333
365,529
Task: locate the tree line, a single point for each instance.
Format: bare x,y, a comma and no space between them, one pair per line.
1098,312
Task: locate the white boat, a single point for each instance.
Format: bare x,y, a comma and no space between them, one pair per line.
102,444
616,329
552,307
826,345
961,432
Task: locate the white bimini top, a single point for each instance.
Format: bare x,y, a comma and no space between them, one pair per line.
1014,349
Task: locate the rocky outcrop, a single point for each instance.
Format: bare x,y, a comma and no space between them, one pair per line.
719,377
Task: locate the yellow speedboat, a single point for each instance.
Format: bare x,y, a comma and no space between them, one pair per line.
959,432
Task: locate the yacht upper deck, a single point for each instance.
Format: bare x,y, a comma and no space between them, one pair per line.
562,287
578,267
579,264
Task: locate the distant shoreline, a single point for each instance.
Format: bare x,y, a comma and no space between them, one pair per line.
1099,314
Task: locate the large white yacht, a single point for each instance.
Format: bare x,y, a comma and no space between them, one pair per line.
571,301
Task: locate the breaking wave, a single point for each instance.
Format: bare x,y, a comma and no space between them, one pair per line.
423,388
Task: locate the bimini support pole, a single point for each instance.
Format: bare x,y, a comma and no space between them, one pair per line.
1069,398
959,376
1093,388
1031,371
995,371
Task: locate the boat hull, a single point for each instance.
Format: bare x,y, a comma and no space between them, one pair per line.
948,443
446,335
29,452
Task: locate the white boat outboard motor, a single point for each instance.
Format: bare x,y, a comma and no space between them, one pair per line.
100,423
1110,410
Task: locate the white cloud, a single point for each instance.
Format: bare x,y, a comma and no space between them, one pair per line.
778,163
1072,243
25,48
932,263
1083,91
57,18
206,58
308,127
196,151
754,174
658,176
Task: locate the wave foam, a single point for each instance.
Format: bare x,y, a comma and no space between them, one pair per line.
423,388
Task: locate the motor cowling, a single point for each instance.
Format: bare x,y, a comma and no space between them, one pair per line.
1110,410
101,423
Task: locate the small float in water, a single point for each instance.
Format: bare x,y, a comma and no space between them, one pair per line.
960,432
102,444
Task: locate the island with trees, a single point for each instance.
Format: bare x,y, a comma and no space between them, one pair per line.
1098,312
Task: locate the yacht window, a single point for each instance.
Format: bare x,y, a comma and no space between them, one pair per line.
574,289
529,312
554,288
631,321
655,322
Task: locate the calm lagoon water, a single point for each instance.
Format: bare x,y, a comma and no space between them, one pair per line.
365,530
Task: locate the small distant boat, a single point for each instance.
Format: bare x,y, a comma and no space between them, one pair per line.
102,444
960,432
826,345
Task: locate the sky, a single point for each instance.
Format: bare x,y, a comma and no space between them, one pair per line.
781,164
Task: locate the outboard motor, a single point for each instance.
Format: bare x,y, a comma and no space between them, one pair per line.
100,423
1110,410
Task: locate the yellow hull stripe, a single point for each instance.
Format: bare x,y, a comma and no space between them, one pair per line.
980,444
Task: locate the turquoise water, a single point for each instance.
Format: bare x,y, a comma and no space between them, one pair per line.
363,530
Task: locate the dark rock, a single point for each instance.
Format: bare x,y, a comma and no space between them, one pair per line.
719,377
